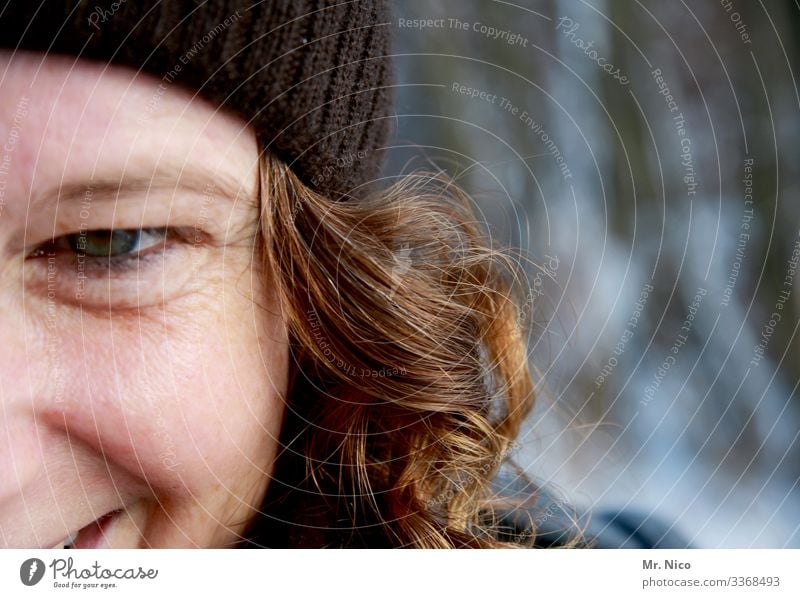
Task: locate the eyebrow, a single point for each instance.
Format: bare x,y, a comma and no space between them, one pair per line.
106,187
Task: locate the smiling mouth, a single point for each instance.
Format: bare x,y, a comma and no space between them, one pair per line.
92,535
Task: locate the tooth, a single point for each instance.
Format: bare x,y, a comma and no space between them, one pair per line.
59,545
70,540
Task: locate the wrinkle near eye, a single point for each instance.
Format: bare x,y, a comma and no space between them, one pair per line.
143,277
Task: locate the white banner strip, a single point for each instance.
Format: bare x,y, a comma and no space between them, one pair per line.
378,573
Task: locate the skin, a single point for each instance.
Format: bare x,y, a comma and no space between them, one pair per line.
154,385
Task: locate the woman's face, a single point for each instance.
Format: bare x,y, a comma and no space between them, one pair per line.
141,370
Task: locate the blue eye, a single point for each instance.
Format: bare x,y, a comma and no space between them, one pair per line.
120,243
114,242
105,243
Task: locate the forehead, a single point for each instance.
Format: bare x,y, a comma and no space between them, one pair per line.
65,121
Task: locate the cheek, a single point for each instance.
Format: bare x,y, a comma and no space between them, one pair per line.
187,398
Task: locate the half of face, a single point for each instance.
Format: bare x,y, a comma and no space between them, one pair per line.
143,361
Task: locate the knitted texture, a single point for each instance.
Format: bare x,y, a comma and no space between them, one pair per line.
311,76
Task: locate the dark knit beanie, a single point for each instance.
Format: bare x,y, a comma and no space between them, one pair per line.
311,76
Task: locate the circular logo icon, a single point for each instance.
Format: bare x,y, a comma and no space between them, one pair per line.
31,572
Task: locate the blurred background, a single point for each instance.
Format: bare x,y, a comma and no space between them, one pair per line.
644,155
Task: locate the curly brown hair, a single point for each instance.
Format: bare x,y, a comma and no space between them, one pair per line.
409,376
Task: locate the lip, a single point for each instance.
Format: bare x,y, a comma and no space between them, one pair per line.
93,535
